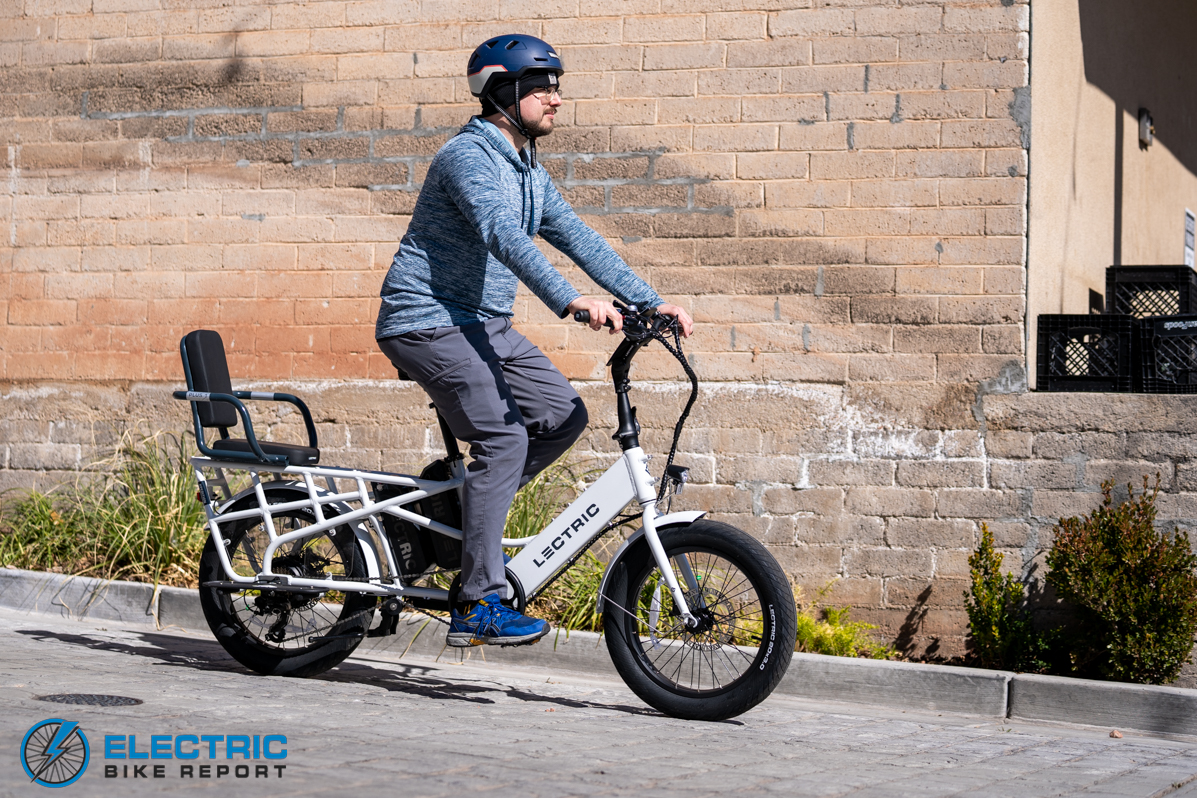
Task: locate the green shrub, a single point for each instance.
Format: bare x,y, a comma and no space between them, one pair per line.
828,630
132,516
999,623
1134,588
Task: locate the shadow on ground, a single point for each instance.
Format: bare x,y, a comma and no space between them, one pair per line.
407,678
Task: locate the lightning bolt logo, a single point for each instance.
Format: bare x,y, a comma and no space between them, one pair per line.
55,749
54,753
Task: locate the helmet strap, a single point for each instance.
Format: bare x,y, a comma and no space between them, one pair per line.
518,121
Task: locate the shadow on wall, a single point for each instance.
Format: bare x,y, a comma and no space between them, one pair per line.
1141,55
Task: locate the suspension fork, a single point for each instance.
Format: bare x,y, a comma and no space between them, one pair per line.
637,462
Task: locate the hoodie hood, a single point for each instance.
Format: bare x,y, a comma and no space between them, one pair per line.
477,126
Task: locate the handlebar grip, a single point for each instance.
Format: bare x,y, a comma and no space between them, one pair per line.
584,317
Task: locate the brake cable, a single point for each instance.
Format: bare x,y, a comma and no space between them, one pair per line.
676,351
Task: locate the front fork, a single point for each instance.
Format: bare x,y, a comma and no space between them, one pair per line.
637,462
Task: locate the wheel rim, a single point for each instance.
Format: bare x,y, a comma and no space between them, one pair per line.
724,648
288,622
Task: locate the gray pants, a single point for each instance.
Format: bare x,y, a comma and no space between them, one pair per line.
503,397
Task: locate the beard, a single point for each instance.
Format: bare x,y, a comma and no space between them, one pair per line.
542,127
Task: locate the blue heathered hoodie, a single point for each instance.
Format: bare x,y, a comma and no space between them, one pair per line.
470,241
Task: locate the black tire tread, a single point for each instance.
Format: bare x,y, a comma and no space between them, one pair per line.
266,660
769,580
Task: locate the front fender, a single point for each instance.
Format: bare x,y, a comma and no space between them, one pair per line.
671,519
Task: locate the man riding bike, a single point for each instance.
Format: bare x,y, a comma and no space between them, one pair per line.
445,319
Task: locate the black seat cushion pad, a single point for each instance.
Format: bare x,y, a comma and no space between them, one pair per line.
296,454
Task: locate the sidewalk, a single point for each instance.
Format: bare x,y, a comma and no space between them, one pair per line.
897,685
432,729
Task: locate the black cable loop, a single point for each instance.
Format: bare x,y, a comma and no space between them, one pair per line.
677,429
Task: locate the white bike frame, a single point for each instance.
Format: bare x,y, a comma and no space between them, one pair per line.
539,562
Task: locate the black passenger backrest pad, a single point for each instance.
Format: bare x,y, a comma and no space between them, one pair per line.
210,374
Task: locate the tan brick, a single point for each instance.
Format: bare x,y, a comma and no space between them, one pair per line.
853,280
617,112
686,56
273,43
819,79
939,280
1005,339
772,165
46,259
382,12
940,164
877,105
981,310
942,47
889,501
948,222
880,221
650,85
782,109
855,50
983,250
887,135
359,92
812,22
853,338
663,29
732,25
736,82
936,339
894,193
985,75
816,136
950,474
905,78
959,369
142,286
903,251
374,66
307,15
980,133
773,53
41,312
891,367
970,19
807,194
805,367
1008,45
781,223
894,310
847,165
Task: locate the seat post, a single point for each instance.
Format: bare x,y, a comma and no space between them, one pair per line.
451,446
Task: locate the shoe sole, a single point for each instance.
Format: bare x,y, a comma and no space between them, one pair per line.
466,640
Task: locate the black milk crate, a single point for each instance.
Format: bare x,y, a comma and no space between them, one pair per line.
1169,354
1145,291
1085,353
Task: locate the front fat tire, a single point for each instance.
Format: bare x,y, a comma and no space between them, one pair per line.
624,599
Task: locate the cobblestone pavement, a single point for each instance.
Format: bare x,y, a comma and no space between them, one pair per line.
422,728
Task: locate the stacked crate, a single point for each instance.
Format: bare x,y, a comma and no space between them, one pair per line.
1146,341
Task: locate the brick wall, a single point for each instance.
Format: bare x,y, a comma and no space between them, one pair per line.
835,189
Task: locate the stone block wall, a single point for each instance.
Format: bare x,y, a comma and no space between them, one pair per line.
835,189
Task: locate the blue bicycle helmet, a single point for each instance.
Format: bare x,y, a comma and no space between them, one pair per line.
511,58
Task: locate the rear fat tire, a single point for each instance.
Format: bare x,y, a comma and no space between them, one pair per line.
703,540
347,623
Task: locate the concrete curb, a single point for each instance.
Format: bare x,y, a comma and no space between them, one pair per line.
1143,707
81,597
900,685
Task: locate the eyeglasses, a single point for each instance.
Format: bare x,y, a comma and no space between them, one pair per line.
546,95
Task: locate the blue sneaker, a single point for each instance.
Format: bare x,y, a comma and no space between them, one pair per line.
489,622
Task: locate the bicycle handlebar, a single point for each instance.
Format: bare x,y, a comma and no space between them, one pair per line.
584,317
